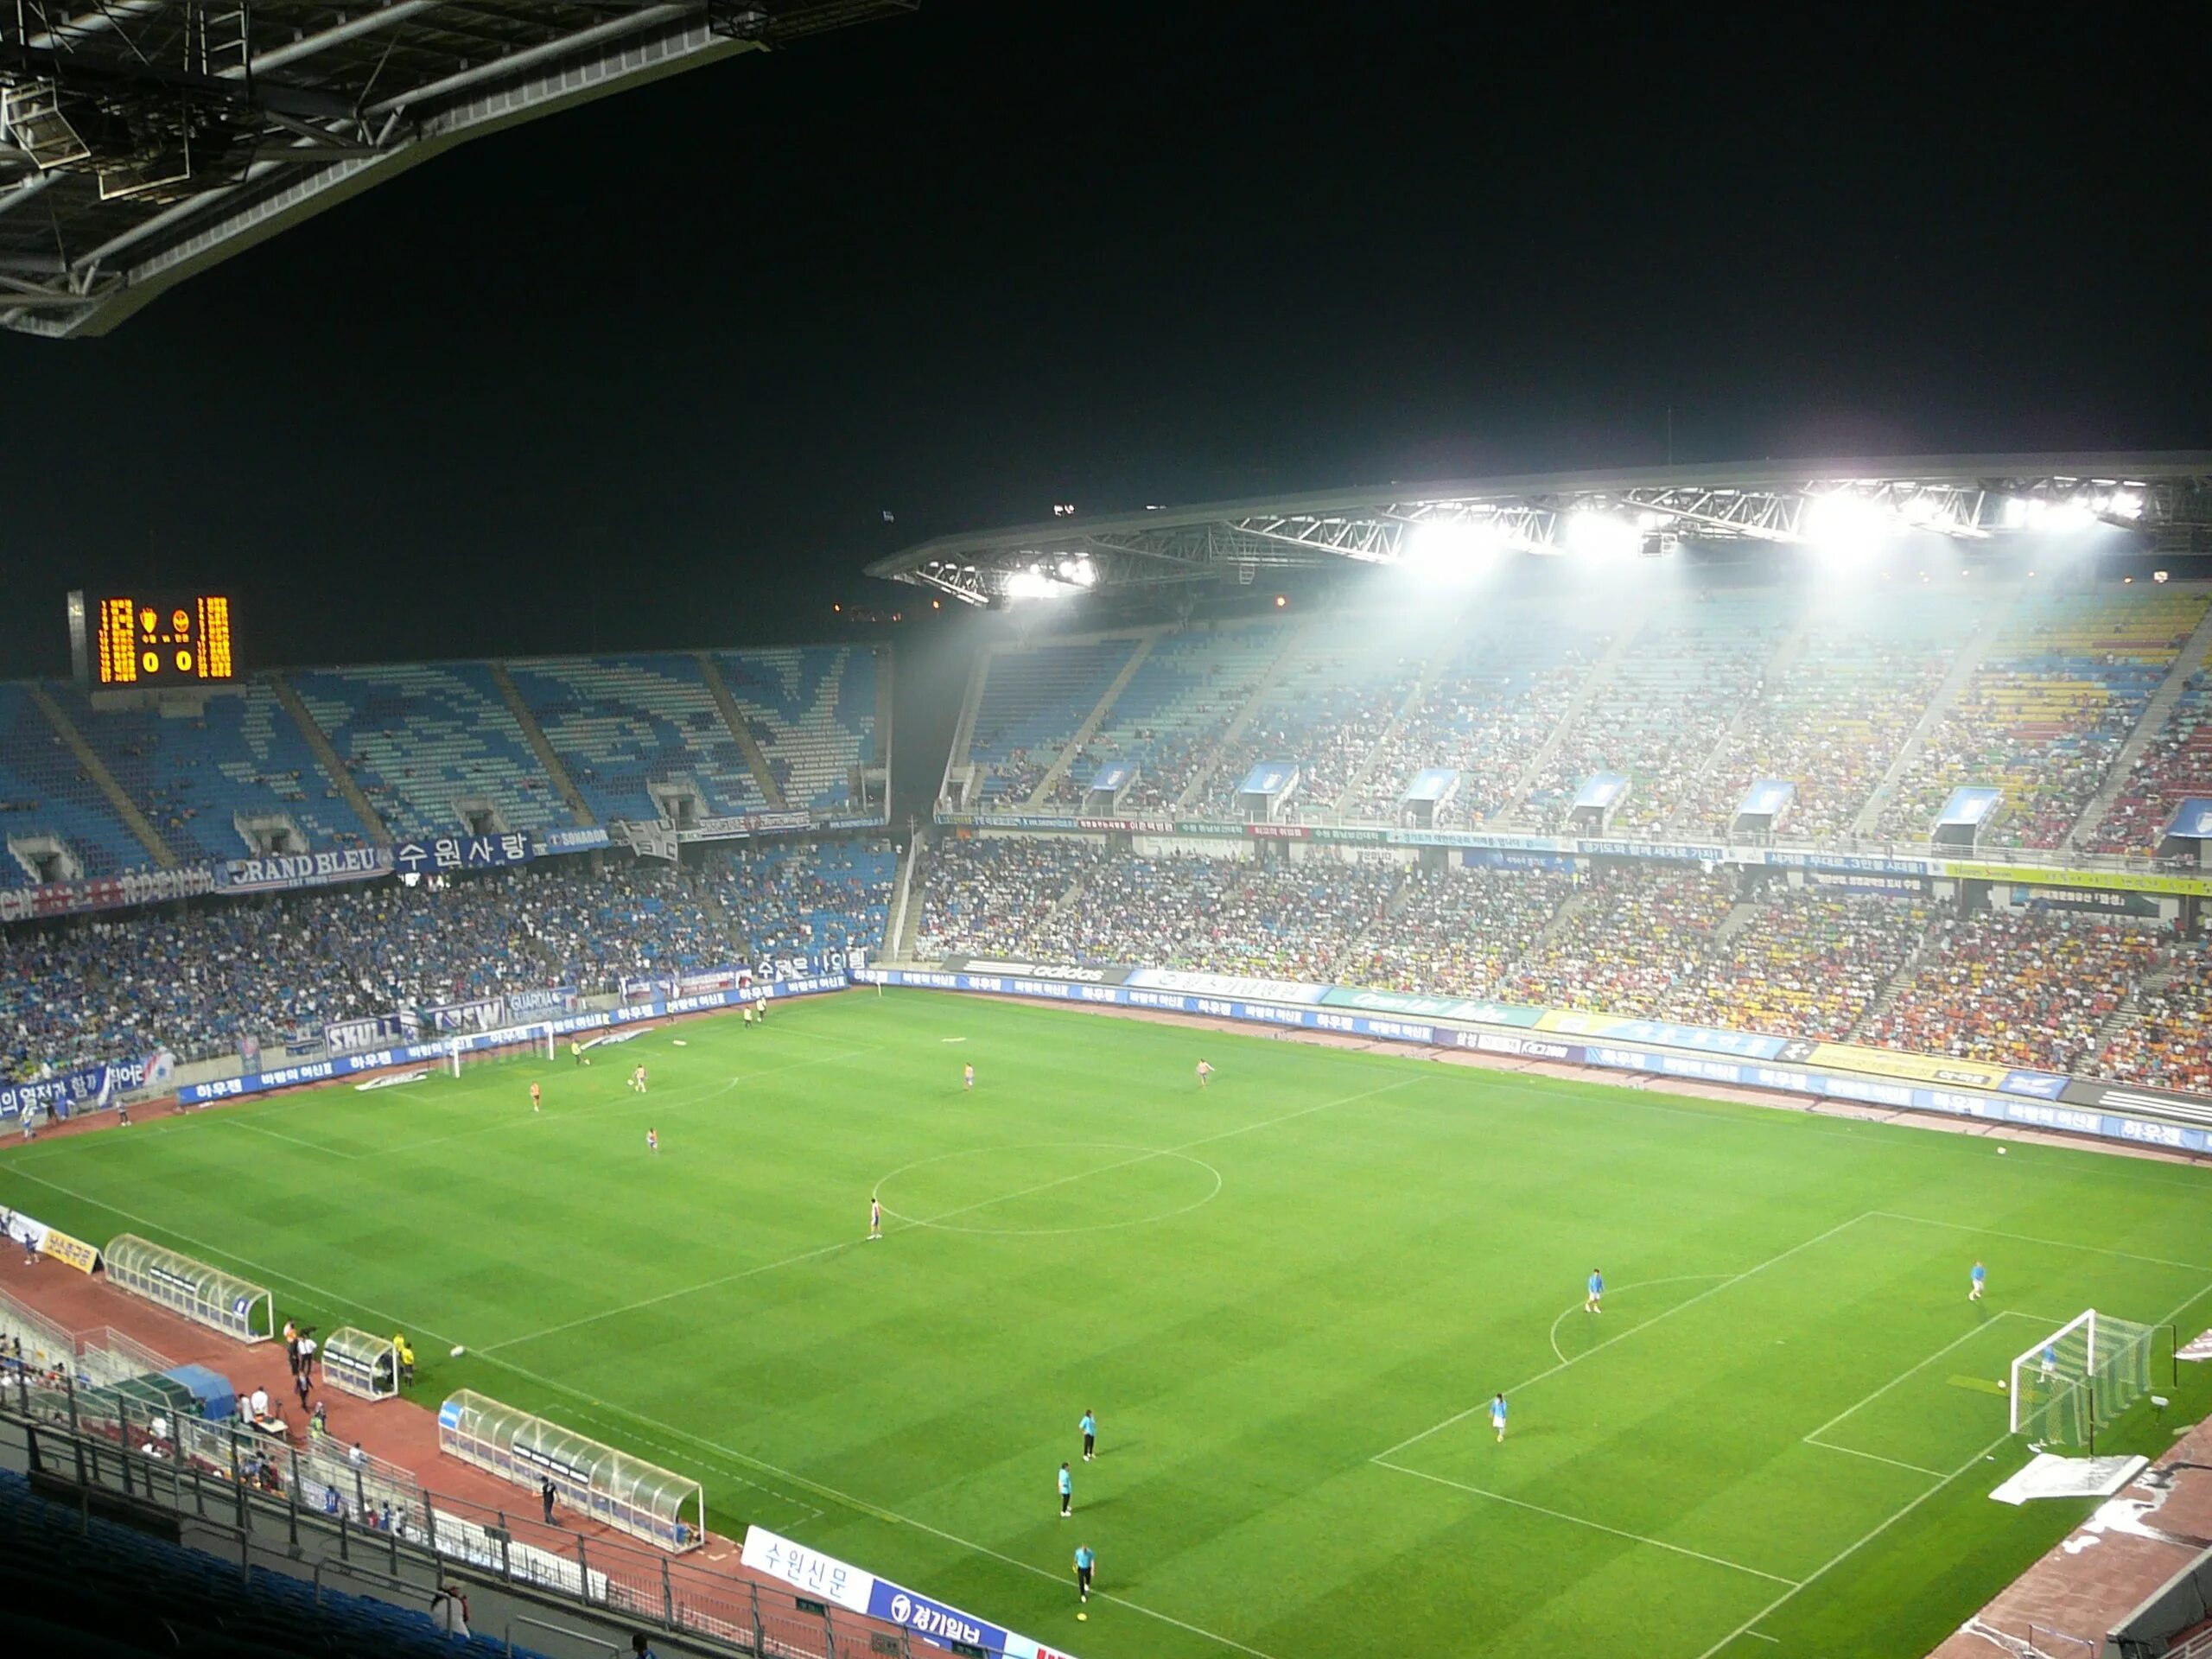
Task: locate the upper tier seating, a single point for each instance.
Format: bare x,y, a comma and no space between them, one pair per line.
2175,765
812,710
1656,720
2046,711
1835,715
620,724
1486,712
194,771
1335,694
2161,1040
417,737
43,791
1034,700
1174,709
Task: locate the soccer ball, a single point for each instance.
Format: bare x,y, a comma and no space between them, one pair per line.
458,1351
2000,1152
2002,1388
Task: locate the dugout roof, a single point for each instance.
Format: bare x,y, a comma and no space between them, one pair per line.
1982,501
143,141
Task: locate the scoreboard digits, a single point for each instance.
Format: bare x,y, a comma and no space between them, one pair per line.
142,640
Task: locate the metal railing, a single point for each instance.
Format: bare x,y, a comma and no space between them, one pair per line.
234,1478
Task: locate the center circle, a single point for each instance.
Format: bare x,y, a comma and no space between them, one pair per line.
1041,1188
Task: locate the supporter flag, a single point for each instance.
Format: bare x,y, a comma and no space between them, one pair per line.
161,1066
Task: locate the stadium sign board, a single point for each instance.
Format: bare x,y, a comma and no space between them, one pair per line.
1914,1083
2100,881
809,1572
444,853
282,870
104,892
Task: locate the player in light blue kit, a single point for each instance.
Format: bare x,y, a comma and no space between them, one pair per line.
1597,1290
1975,1278
1497,1415
1067,1492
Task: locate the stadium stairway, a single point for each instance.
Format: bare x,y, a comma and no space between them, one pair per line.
535,734
1600,675
1955,681
1085,733
734,717
2125,1013
1201,777
318,743
1786,652
126,808
2153,722
1884,999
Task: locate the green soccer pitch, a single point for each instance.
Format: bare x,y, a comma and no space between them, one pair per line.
1288,1297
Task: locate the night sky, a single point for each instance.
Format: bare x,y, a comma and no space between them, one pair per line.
649,372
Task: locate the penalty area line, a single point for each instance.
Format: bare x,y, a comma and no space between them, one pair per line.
1581,1521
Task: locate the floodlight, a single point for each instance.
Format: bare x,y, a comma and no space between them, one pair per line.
2126,503
1031,583
1452,549
1601,534
1845,521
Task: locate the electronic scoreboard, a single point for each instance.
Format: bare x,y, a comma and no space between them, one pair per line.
148,640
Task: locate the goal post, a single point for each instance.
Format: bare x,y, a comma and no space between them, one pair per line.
530,1042
2079,1376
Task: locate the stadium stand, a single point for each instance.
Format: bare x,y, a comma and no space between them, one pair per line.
2176,764
1334,695
2046,711
44,792
622,725
812,710
1487,712
192,979
987,896
195,769
1174,709
1658,717
1837,712
2160,1039
1032,701
1456,933
418,737
1619,945
2019,988
1807,962
103,1587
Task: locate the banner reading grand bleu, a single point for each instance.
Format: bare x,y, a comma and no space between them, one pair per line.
281,870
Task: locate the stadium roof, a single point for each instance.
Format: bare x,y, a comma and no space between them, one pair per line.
2165,499
143,141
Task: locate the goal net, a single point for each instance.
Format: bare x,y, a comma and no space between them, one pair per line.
2079,1377
517,1043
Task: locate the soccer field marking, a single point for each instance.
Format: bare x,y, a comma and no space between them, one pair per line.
862,1506
1458,1417
846,1244
1623,1290
1814,1438
1594,1526
1146,1155
291,1139
1852,1548
2052,1243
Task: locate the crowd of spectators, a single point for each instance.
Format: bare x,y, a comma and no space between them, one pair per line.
196,978
1657,719
2045,716
1457,932
2161,1040
2019,988
986,896
1626,939
1486,715
2175,765
1809,963
1833,721
1324,714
